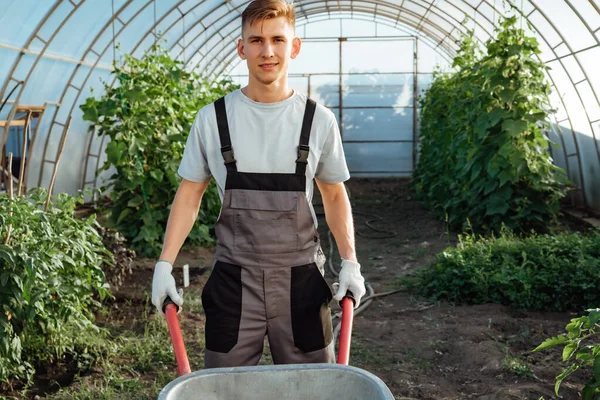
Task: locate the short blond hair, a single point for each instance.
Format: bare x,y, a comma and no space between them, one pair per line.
259,10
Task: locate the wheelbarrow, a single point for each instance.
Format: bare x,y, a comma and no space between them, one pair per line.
270,382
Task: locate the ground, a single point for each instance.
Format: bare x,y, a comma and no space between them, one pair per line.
441,351
421,349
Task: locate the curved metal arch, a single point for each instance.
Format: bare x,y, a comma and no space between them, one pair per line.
109,45
184,47
319,11
592,34
232,53
448,52
228,61
564,104
456,23
234,20
26,46
16,64
108,25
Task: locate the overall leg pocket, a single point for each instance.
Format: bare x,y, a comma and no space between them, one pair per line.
309,301
222,302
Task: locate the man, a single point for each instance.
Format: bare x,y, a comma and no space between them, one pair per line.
263,145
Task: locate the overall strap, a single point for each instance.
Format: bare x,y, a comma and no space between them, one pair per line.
226,149
303,149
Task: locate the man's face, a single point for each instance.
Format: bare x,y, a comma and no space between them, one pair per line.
267,46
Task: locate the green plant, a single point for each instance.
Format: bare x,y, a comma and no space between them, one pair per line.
516,366
580,351
540,272
148,117
484,157
50,279
135,364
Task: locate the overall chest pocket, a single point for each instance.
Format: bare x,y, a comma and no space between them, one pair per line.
265,221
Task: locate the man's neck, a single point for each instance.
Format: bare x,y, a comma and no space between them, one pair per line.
267,93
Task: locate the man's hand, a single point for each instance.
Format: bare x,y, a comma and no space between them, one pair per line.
351,279
163,285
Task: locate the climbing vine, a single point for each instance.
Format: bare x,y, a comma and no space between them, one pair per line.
484,158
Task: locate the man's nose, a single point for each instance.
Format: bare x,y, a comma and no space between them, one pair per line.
267,50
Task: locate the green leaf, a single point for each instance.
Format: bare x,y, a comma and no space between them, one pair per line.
572,368
594,316
514,127
597,368
507,95
589,391
157,174
124,214
496,115
535,117
4,278
568,350
6,255
475,171
496,205
133,147
490,186
176,138
114,151
107,108
90,113
583,356
514,49
135,201
505,176
135,94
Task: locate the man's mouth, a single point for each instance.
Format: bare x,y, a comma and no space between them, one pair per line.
268,66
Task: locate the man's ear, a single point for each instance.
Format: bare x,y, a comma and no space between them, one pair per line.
296,45
240,49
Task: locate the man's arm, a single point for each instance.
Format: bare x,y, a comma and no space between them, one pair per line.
338,214
183,215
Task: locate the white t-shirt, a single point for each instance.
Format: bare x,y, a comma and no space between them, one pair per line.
265,138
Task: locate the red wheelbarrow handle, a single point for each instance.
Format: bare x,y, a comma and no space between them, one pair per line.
347,304
170,309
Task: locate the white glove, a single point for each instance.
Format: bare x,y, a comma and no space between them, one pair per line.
351,279
163,285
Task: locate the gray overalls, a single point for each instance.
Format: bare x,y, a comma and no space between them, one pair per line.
267,276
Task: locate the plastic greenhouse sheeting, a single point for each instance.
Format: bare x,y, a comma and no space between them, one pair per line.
52,53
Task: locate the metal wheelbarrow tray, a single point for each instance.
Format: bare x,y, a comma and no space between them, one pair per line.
270,382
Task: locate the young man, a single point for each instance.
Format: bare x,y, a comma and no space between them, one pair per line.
263,145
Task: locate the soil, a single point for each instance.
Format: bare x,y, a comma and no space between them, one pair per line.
420,349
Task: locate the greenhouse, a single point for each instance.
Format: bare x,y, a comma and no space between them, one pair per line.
470,130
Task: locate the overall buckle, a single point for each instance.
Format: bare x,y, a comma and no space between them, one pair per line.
227,152
303,152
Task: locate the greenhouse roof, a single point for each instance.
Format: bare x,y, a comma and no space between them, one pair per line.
53,52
